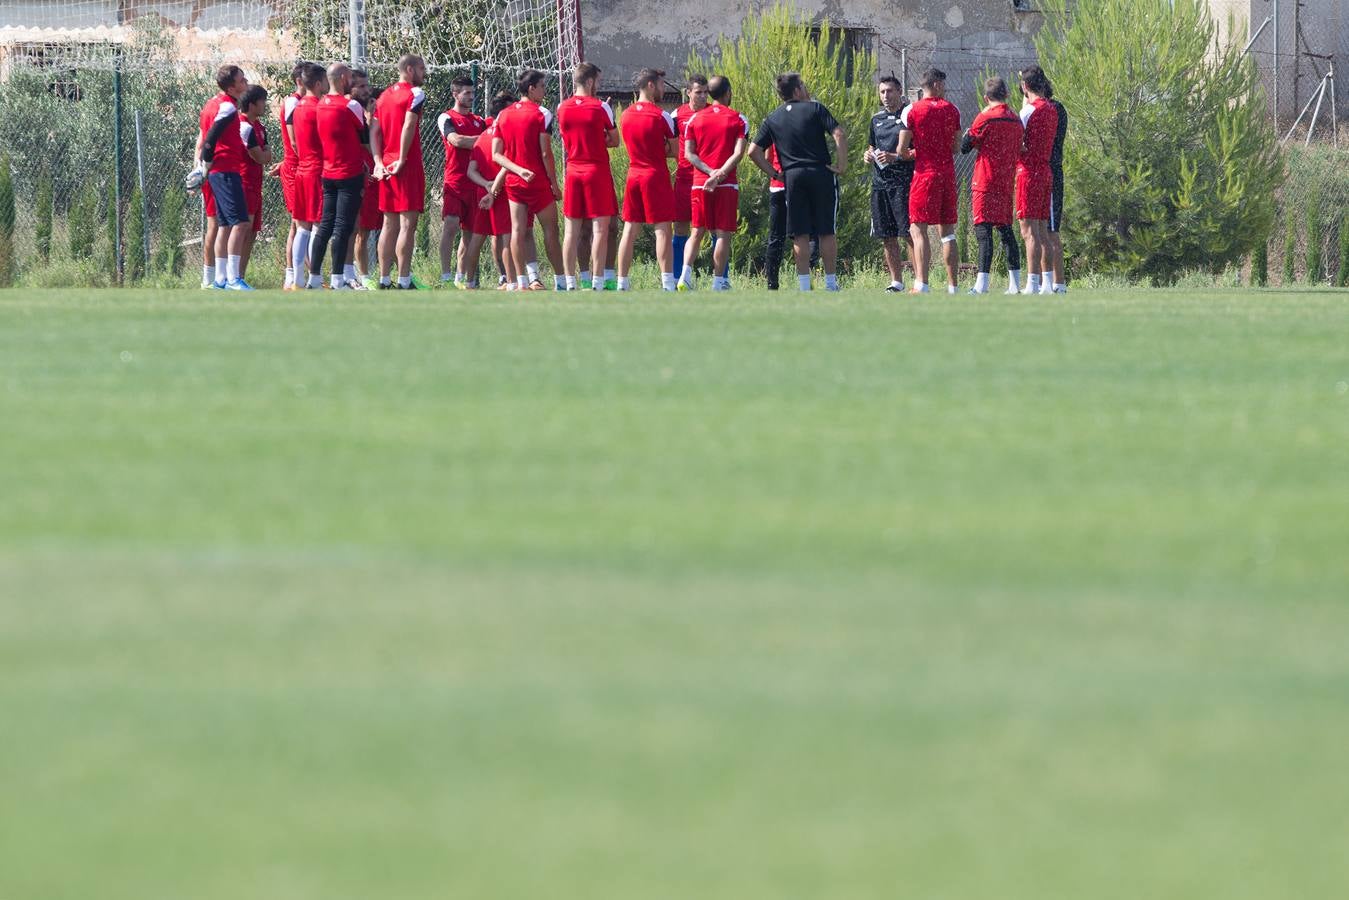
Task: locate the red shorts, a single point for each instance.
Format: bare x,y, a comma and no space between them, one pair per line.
371,219
308,197
718,210
648,197
253,202
404,192
537,194
932,198
683,198
495,221
588,192
991,207
458,199
208,199
1033,189
288,188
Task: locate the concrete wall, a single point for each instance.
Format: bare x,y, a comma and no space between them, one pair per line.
1325,31
960,36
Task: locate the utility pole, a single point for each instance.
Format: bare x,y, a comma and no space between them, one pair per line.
356,31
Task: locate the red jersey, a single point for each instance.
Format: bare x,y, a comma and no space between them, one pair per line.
288,107
520,127
935,124
482,155
775,184
646,131
341,128
997,136
229,145
683,168
391,109
253,135
1042,123
451,121
585,122
714,131
304,121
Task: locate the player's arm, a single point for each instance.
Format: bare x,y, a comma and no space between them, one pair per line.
955,140
611,133
970,140
869,154
905,149
500,158
409,134
475,176
452,137
671,142
546,148
731,164
376,147
286,122
841,151
759,157
228,117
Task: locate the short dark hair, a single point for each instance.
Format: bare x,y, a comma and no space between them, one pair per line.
225,76
360,73
889,79
499,102
995,89
313,76
528,78
461,82
584,71
718,87
256,93
297,72
648,76
932,76
788,83
697,79
1034,78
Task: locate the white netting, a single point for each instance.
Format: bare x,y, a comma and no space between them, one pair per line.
135,34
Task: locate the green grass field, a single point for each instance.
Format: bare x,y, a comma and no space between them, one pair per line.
730,598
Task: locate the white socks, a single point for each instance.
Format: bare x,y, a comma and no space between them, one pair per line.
335,281
568,282
299,252
1032,283
830,282
405,281
232,268
596,285
522,281
897,285
686,276
625,284
316,282
290,277
1013,281
610,275
208,276
920,287
532,270
667,282
585,276
981,282
349,272
720,284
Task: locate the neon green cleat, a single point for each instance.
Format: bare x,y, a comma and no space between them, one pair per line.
611,284
683,286
417,285
587,284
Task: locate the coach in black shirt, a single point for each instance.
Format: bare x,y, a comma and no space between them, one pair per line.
797,129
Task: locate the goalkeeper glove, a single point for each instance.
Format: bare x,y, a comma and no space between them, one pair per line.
195,178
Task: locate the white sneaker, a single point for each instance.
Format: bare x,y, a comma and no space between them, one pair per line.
1046,289
355,285
1061,289
951,289
976,292
344,286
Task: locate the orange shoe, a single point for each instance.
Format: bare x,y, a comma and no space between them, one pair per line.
536,285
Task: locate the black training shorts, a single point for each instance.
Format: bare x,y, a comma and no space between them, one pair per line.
812,201
890,210
1056,201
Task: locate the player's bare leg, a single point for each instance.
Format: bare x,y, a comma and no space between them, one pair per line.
922,257
664,255
449,230
407,242
388,247
290,254
691,248
552,239
500,250
599,246
721,258
509,271
522,248
208,252
249,241
894,262
950,256
627,243
1055,251
1032,231
471,248
571,247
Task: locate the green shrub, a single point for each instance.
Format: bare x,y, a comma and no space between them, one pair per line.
778,40
82,223
8,264
422,248
42,228
1342,273
1171,165
1260,264
169,257
1289,248
133,240
110,256
1313,225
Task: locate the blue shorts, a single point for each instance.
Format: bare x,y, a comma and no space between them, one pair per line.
230,206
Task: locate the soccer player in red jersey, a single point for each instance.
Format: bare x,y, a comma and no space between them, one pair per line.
253,107
223,160
494,211
304,137
459,128
1034,178
523,148
714,143
361,273
402,189
930,137
289,162
650,136
996,134
696,90
345,140
588,131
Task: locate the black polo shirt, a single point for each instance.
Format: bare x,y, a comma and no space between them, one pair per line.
798,130
883,134
1056,155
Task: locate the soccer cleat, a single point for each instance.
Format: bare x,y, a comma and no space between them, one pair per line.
344,286
611,284
238,284
1012,292
417,286
975,292
1046,289
291,287
921,290
355,284
1061,289
892,289
370,284
586,284
683,286
952,289
536,285
461,285
503,286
